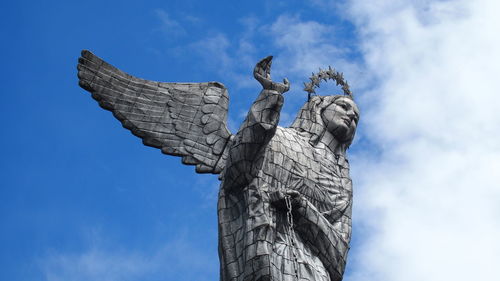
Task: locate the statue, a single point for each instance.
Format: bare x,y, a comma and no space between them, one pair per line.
285,198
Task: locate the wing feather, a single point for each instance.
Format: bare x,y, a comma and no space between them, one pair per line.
181,119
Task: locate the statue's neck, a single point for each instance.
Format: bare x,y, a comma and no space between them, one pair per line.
333,144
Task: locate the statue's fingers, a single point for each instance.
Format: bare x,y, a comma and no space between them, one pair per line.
263,72
286,83
276,196
264,62
259,74
264,65
259,66
257,69
262,80
268,68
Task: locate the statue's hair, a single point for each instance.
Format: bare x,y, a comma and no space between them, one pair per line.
310,122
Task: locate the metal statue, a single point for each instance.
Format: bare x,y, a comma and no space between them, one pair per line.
285,197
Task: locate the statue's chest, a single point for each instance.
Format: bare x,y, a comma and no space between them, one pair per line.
324,178
316,173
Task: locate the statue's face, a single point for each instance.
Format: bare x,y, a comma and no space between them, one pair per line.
341,118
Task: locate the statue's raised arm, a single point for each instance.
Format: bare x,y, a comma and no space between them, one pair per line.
181,119
258,128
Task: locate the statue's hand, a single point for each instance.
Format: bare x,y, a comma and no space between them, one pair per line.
277,198
262,72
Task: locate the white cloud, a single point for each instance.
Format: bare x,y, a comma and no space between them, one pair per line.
430,198
177,259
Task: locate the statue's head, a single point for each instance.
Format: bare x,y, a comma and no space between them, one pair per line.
336,114
341,118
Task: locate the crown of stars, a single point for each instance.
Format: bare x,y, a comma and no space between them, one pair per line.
331,74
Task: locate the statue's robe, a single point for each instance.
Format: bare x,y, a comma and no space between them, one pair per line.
255,242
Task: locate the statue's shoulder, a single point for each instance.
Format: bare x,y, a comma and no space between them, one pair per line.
290,138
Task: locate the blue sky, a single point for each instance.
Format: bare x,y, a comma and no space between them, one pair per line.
83,199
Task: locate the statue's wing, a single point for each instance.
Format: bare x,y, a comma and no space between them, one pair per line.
182,119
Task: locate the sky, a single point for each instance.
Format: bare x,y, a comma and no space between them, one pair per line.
83,199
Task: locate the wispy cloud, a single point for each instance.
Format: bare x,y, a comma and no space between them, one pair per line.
214,49
168,24
95,264
305,44
300,47
232,58
177,259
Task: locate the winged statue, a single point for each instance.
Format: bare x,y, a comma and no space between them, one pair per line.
285,199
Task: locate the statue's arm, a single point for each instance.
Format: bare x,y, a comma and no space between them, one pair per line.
259,126
328,233
261,122
263,117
